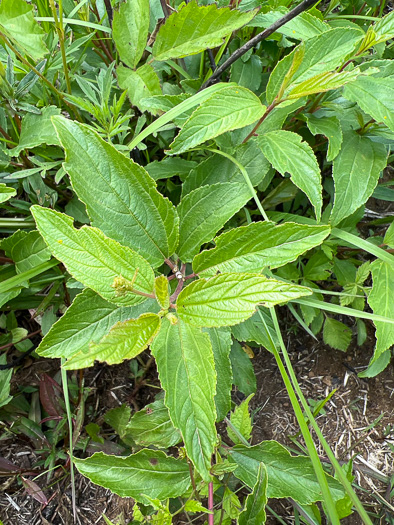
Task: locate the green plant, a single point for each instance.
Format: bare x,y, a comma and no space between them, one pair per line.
248,216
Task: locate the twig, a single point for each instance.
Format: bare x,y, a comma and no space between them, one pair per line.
164,6
108,7
29,336
306,4
178,289
212,60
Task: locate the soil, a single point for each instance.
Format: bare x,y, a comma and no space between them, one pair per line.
348,425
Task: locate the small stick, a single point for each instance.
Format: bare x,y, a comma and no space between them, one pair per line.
303,6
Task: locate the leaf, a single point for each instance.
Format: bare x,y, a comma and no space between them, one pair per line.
34,491
221,346
194,506
88,319
162,292
231,503
118,418
6,193
140,84
152,426
206,210
148,472
336,334
242,367
254,511
258,245
356,172
241,420
230,298
170,167
322,53
289,476
195,28
26,249
121,198
186,369
36,130
288,153
380,300
302,27
389,236
50,393
322,82
125,340
94,259
247,74
330,127
5,382
231,108
385,26
258,328
18,24
217,168
130,28
375,96
377,366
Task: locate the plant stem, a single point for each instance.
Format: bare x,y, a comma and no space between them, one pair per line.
246,177
5,134
60,34
267,112
28,336
70,431
340,473
317,466
211,517
303,6
178,289
170,263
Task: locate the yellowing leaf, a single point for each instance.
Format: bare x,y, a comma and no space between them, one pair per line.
258,245
125,340
162,291
230,298
322,82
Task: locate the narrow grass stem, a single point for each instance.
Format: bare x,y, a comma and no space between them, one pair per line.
60,34
319,471
70,431
340,473
246,177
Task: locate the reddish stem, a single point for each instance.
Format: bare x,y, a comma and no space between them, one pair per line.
210,503
169,263
267,112
29,336
178,289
